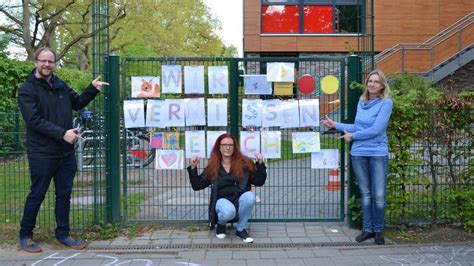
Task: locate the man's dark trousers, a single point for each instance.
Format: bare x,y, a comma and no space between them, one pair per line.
42,170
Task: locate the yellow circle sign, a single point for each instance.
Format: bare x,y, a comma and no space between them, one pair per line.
329,84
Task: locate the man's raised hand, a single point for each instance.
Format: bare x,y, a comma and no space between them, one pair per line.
98,84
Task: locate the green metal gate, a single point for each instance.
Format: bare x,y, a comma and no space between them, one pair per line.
293,191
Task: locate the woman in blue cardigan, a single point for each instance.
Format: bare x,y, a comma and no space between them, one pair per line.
369,152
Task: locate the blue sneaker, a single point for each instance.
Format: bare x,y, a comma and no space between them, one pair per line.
28,245
68,241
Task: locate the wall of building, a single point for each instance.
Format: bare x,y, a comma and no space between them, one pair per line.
411,21
395,21
254,42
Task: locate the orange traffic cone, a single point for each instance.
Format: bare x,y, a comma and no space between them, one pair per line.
334,182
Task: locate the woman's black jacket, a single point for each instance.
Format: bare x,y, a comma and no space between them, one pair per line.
199,182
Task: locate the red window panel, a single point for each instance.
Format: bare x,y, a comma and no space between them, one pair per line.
280,19
318,19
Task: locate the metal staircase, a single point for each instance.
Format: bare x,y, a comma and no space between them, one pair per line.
435,58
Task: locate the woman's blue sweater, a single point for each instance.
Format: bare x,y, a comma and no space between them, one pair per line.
369,131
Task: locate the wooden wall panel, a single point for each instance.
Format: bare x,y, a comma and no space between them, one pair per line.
417,61
445,50
404,21
391,64
251,17
453,10
278,44
468,36
252,44
325,44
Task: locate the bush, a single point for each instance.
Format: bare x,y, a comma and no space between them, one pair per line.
431,144
12,76
76,79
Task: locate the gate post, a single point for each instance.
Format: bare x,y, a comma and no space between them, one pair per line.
234,98
354,75
112,122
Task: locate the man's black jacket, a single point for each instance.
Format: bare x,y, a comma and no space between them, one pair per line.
47,110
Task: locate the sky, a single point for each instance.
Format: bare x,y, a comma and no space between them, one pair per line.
230,13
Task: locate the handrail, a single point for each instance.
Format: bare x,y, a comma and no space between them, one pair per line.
449,34
468,18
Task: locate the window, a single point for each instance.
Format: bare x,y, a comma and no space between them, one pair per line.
280,19
318,19
310,16
346,19
281,1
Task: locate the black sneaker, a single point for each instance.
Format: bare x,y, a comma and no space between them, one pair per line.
364,236
220,231
379,239
244,236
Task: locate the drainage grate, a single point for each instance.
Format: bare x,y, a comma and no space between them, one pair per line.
225,246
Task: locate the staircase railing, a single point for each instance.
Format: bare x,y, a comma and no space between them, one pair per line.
426,56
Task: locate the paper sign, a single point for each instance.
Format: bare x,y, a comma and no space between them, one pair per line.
281,72
251,112
304,142
217,112
325,159
271,144
283,88
195,112
250,143
257,84
154,114
169,159
195,144
172,79
194,79
271,113
134,113
165,140
146,87
218,78
329,84
290,114
173,112
309,112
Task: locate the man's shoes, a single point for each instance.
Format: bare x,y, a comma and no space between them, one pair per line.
220,231
68,241
28,245
364,236
379,239
244,236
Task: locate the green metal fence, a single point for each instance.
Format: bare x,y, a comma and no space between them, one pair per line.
293,191
432,191
436,184
88,197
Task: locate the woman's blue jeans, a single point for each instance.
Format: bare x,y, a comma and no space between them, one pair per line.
226,210
62,171
371,173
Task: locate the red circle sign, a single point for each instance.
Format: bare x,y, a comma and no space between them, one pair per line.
306,84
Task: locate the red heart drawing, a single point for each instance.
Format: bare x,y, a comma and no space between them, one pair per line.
169,159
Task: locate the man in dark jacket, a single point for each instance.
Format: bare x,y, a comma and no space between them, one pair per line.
46,103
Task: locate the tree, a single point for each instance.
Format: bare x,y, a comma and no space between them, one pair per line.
34,24
166,28
137,28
